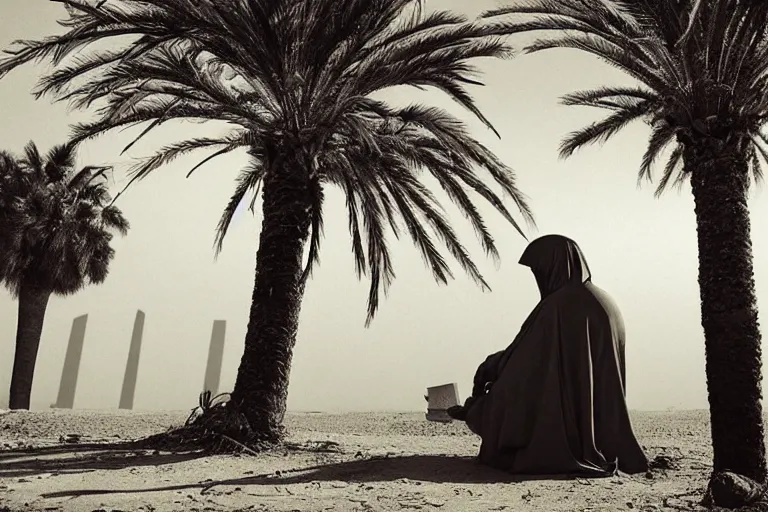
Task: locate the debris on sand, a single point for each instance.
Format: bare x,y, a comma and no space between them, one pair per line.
664,462
315,446
70,438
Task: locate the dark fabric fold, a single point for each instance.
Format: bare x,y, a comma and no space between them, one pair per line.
556,403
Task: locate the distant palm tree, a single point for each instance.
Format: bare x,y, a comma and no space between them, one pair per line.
703,67
295,80
54,239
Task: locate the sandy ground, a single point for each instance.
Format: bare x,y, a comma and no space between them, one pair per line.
365,462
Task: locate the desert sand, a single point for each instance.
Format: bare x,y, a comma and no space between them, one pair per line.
346,462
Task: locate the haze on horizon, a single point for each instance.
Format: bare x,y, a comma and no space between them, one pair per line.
640,249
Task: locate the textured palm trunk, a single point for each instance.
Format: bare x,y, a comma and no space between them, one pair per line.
33,302
261,387
720,183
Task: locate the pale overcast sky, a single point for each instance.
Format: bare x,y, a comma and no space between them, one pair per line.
640,249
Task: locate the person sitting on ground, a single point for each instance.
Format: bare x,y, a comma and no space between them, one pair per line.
553,402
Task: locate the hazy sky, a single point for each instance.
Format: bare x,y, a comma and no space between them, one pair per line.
640,249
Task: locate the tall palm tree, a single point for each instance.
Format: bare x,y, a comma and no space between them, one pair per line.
703,89
295,81
56,228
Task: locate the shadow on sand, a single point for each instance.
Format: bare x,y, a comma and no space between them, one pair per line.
81,458
425,468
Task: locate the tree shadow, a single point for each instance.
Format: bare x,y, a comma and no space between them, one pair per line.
425,468
26,451
79,458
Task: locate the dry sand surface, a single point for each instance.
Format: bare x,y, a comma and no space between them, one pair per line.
366,462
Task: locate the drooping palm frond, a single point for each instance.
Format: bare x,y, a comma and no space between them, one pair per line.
698,63
236,139
378,165
611,98
299,75
57,222
249,180
760,158
601,131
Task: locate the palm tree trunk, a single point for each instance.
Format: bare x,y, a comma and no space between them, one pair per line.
33,301
261,387
720,183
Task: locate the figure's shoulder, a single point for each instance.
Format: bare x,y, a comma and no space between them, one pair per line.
585,295
571,297
605,301
599,294
572,291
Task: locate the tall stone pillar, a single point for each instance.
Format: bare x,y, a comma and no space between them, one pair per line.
68,384
132,366
215,357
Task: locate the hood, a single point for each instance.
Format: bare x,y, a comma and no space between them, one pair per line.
555,261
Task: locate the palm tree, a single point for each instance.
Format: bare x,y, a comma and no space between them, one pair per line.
294,79
703,89
54,239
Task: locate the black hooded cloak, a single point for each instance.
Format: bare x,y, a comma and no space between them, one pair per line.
554,401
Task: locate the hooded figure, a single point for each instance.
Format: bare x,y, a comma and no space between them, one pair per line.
553,402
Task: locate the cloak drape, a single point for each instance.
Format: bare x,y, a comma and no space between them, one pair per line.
556,403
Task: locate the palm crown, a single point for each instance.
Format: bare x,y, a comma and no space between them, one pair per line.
56,222
702,66
298,75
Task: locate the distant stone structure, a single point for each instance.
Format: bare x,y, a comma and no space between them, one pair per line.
215,357
439,399
132,366
68,384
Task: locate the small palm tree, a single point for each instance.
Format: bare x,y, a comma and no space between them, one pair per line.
54,239
703,73
295,81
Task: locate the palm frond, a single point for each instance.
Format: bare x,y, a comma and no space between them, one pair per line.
599,132
672,166
761,155
33,159
367,194
313,257
662,135
353,210
591,12
656,76
448,174
249,180
82,65
91,25
452,134
755,165
424,202
170,152
441,69
114,219
611,98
